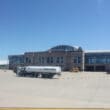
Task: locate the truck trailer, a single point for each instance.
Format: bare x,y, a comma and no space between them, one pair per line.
39,71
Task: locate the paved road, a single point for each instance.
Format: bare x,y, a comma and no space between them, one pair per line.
71,90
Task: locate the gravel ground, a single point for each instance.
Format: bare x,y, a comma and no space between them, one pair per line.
70,90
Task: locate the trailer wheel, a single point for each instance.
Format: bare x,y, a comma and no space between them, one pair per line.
51,75
44,75
18,74
23,74
32,75
48,75
36,75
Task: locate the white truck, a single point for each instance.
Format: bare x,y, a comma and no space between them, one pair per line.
39,71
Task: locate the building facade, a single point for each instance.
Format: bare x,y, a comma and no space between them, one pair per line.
15,60
97,61
65,56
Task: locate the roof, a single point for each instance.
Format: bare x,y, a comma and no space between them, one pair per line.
97,51
65,48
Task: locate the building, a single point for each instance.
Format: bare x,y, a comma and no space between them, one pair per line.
63,55
68,57
97,61
15,60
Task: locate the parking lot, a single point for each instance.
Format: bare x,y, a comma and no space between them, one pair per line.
70,90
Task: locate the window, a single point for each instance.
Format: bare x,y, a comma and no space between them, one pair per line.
51,60
101,60
62,59
108,60
42,60
58,60
77,60
48,60
92,60
39,59
28,60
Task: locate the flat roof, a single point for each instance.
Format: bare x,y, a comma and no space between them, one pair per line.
97,51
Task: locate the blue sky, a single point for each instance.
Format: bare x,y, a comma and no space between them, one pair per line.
37,25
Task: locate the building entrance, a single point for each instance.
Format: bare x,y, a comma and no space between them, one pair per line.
89,68
100,68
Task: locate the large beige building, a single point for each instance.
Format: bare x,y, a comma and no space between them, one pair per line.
67,57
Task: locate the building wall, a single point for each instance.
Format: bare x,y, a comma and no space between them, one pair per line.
15,60
91,61
97,61
65,56
66,60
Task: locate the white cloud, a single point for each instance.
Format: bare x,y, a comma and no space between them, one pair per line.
2,62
